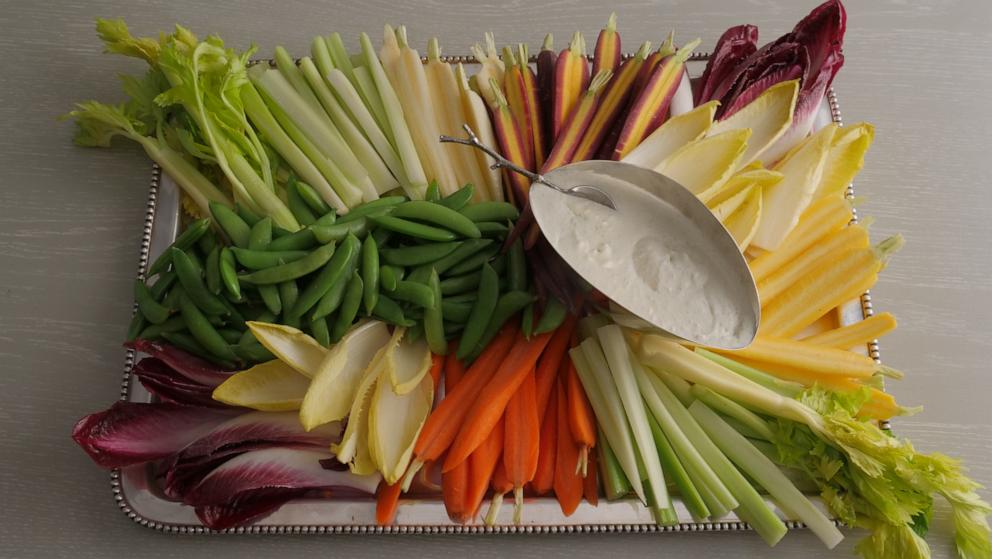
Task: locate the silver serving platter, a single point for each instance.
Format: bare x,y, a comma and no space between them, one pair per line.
138,497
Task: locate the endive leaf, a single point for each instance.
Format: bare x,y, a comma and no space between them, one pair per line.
394,423
768,117
407,364
846,158
802,169
332,391
705,164
269,386
290,345
754,174
724,209
744,222
672,135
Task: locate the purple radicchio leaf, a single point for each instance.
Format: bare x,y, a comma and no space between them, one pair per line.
255,484
169,386
131,433
736,44
248,432
190,366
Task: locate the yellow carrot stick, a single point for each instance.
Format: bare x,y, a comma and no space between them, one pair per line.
815,359
571,79
857,334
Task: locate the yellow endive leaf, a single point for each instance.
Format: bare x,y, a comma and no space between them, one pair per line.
290,345
724,209
768,117
743,223
705,164
394,423
672,135
846,158
408,363
751,175
354,446
269,386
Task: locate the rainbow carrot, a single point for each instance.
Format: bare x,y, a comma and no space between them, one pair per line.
521,440
544,477
650,108
568,483
612,103
571,79
607,53
547,59
533,104
590,483
491,402
511,143
481,466
571,133
666,49
454,484
501,485
582,422
516,97
387,501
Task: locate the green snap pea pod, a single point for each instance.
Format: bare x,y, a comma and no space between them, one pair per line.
349,308
318,327
416,293
291,321
331,300
517,276
414,229
433,193
289,293
261,234
388,310
492,229
204,332
474,262
229,274
419,254
475,327
230,336
291,270
233,226
387,277
154,331
451,329
207,244
213,270
434,317
553,315
171,299
327,219
381,236
262,259
264,316
413,312
152,310
469,297
499,264
162,284
253,352
304,239
460,284
438,214
421,274
279,232
370,208
312,199
414,333
370,274
299,208
459,198
189,278
490,211
508,305
186,240
185,342
334,272
465,250
248,216
341,229
136,326
270,297
456,312
527,321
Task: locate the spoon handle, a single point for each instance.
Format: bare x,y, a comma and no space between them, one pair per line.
501,162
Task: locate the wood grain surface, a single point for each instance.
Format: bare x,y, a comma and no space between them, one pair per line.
70,219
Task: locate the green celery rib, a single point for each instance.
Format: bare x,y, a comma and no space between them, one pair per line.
730,408
615,483
783,387
676,471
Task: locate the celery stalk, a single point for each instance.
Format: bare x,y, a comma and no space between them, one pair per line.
766,473
732,409
289,70
677,472
783,387
367,90
615,483
678,386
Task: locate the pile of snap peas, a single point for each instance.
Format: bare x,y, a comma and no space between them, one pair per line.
435,266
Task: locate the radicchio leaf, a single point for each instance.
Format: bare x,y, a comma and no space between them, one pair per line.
168,385
736,44
249,432
186,364
134,433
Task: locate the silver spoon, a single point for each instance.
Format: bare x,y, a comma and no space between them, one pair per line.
591,193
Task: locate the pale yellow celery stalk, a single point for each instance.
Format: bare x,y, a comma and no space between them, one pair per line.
477,117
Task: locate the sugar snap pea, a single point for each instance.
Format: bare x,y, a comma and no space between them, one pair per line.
187,343
475,327
459,198
162,284
414,229
465,250
262,259
260,234
186,240
508,305
388,310
517,275
206,244
291,270
297,206
270,297
212,271
154,331
252,352
469,297
370,274
304,239
452,329
492,229
229,274
340,230
312,199
438,214
318,328
233,226
433,193
456,312
388,277
414,333
331,300
499,264
490,211
434,317
136,326
527,321
204,332
152,310
289,292
349,308
334,272
553,315
381,236
327,219
230,335
248,216
413,292
374,207
474,262
189,278
279,232
171,299
416,255
460,284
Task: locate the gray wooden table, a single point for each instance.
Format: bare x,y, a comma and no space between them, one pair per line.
69,220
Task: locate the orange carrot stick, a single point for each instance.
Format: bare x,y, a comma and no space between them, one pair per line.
481,465
582,423
544,478
437,365
590,484
454,369
491,402
443,423
501,485
547,365
386,502
454,484
568,483
521,440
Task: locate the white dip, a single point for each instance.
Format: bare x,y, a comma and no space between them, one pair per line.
649,258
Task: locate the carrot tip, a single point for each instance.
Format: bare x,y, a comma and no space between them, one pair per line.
518,505
494,506
582,465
